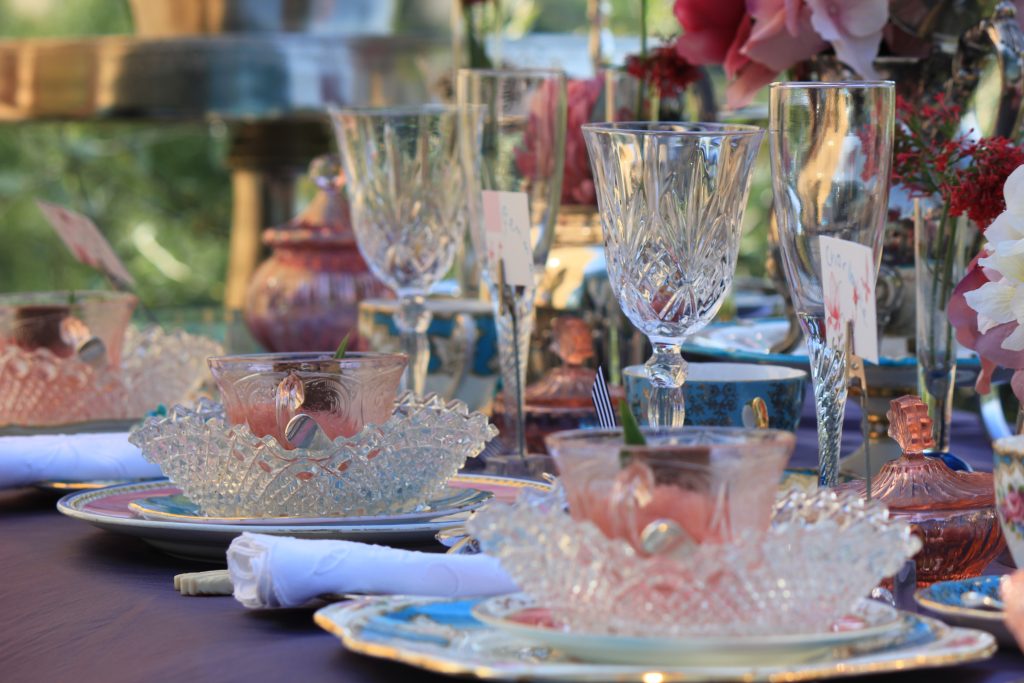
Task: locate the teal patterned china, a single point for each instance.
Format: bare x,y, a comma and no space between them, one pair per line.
1008,473
958,603
722,394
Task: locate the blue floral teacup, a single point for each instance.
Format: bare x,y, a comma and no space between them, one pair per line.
724,394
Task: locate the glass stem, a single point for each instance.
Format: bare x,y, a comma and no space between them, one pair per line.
413,319
828,374
666,370
514,354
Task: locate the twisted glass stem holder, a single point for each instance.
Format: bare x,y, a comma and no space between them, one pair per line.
389,468
828,374
413,320
513,355
779,582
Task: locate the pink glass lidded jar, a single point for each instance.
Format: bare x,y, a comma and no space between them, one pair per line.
306,295
268,392
687,486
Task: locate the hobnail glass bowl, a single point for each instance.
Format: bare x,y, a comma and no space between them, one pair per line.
822,553
386,468
266,391
687,486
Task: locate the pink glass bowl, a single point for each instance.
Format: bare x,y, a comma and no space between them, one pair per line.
62,322
688,486
266,391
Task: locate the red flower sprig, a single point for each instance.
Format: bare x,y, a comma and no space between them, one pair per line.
663,68
932,156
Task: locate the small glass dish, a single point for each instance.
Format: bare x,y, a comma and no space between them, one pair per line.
69,360
687,486
387,468
267,391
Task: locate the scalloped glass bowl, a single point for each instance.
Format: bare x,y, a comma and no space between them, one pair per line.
821,554
387,468
687,486
265,391
64,362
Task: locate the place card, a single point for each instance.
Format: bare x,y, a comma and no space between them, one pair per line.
848,282
507,235
85,242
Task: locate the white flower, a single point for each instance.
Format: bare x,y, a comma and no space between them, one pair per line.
1001,301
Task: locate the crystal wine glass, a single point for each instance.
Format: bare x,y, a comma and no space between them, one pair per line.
831,152
671,198
408,202
523,150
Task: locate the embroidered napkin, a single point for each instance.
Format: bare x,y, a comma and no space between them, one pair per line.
71,457
277,571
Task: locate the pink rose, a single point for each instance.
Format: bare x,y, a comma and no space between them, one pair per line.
1012,508
854,27
709,28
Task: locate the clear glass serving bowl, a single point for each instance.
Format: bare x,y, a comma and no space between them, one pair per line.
386,468
821,553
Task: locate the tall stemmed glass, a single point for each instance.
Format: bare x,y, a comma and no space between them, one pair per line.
831,153
671,198
408,197
523,150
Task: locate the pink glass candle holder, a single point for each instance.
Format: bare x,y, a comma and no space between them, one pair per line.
687,486
267,391
67,323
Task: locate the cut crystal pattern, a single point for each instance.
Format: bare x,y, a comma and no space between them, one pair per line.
823,552
389,468
157,367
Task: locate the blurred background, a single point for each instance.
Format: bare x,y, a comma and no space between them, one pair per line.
160,187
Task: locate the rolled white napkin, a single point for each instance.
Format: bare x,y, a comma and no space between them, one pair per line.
71,457
278,571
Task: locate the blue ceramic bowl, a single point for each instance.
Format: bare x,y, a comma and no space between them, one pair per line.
718,394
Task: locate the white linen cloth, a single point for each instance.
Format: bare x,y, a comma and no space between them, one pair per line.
71,457
278,571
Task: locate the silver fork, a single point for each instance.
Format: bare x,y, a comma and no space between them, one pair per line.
602,401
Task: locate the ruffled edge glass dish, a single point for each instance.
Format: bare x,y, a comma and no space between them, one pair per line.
384,469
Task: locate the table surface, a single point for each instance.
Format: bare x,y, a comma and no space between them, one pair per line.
78,603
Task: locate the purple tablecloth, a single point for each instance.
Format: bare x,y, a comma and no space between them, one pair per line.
81,604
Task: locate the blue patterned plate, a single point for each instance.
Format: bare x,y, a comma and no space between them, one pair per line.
944,598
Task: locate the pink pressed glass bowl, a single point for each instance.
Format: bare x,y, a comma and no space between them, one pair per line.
687,485
265,391
62,322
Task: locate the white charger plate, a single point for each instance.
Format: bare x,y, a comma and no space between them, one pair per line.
519,615
442,636
110,509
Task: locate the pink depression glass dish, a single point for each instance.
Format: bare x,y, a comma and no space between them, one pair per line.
266,391
687,486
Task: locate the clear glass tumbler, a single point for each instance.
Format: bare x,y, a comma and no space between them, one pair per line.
671,198
831,153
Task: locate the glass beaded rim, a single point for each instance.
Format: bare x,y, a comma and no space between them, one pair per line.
696,129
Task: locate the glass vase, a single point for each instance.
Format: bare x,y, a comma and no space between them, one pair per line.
940,254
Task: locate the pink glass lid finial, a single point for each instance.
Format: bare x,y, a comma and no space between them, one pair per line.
909,424
572,341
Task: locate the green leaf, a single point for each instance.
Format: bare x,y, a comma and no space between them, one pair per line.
632,436
342,347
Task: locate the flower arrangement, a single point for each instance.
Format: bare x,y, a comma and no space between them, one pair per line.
987,306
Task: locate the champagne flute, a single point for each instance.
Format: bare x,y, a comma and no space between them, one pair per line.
831,154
